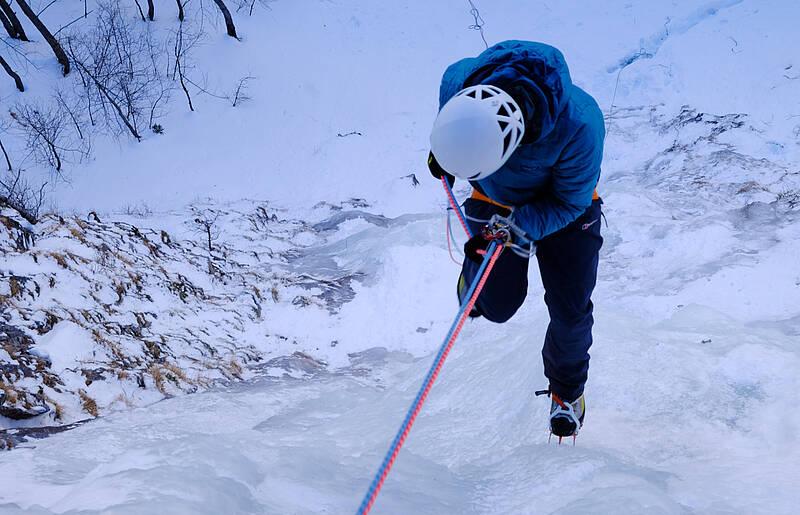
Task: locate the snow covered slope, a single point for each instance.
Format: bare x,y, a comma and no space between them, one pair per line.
323,69
694,369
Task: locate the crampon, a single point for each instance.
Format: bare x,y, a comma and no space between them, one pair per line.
566,418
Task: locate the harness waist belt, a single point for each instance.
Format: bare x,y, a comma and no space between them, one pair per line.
480,196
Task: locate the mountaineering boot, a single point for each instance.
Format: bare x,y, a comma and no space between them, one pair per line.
462,292
566,418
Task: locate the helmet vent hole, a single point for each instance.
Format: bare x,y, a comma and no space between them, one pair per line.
507,142
471,94
503,125
485,94
502,111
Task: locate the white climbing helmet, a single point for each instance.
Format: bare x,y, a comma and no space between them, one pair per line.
476,131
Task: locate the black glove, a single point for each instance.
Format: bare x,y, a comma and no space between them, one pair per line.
473,245
437,171
498,232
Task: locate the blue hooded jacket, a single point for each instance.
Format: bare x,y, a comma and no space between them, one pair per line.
550,178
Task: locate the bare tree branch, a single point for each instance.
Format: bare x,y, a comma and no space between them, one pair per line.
180,10
240,93
250,5
49,138
180,54
140,10
46,7
20,54
204,89
43,131
206,221
67,106
121,67
8,161
21,197
151,10
73,21
111,101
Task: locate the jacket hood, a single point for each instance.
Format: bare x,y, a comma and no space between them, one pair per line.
534,74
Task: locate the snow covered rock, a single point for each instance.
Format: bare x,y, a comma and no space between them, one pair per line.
101,315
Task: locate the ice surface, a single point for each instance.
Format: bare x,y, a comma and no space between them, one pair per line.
675,424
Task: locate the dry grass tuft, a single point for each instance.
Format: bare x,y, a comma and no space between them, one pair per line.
78,235
120,293
125,260
116,350
16,287
59,258
89,405
11,352
12,395
58,409
125,400
163,372
158,376
235,367
180,374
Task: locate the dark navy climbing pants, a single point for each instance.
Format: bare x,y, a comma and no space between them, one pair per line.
568,265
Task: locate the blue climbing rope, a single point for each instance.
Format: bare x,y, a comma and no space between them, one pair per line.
492,253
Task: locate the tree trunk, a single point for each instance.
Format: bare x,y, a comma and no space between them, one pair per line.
14,21
7,25
180,10
151,10
178,67
141,13
52,41
228,19
13,75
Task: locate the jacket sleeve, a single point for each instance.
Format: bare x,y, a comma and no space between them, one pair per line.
572,185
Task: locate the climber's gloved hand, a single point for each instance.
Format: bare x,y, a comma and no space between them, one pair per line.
437,171
473,245
496,230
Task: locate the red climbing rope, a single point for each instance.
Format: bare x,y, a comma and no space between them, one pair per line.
492,253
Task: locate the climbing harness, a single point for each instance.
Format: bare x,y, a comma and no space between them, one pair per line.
492,253
526,250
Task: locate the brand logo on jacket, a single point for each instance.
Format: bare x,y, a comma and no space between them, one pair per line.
586,226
